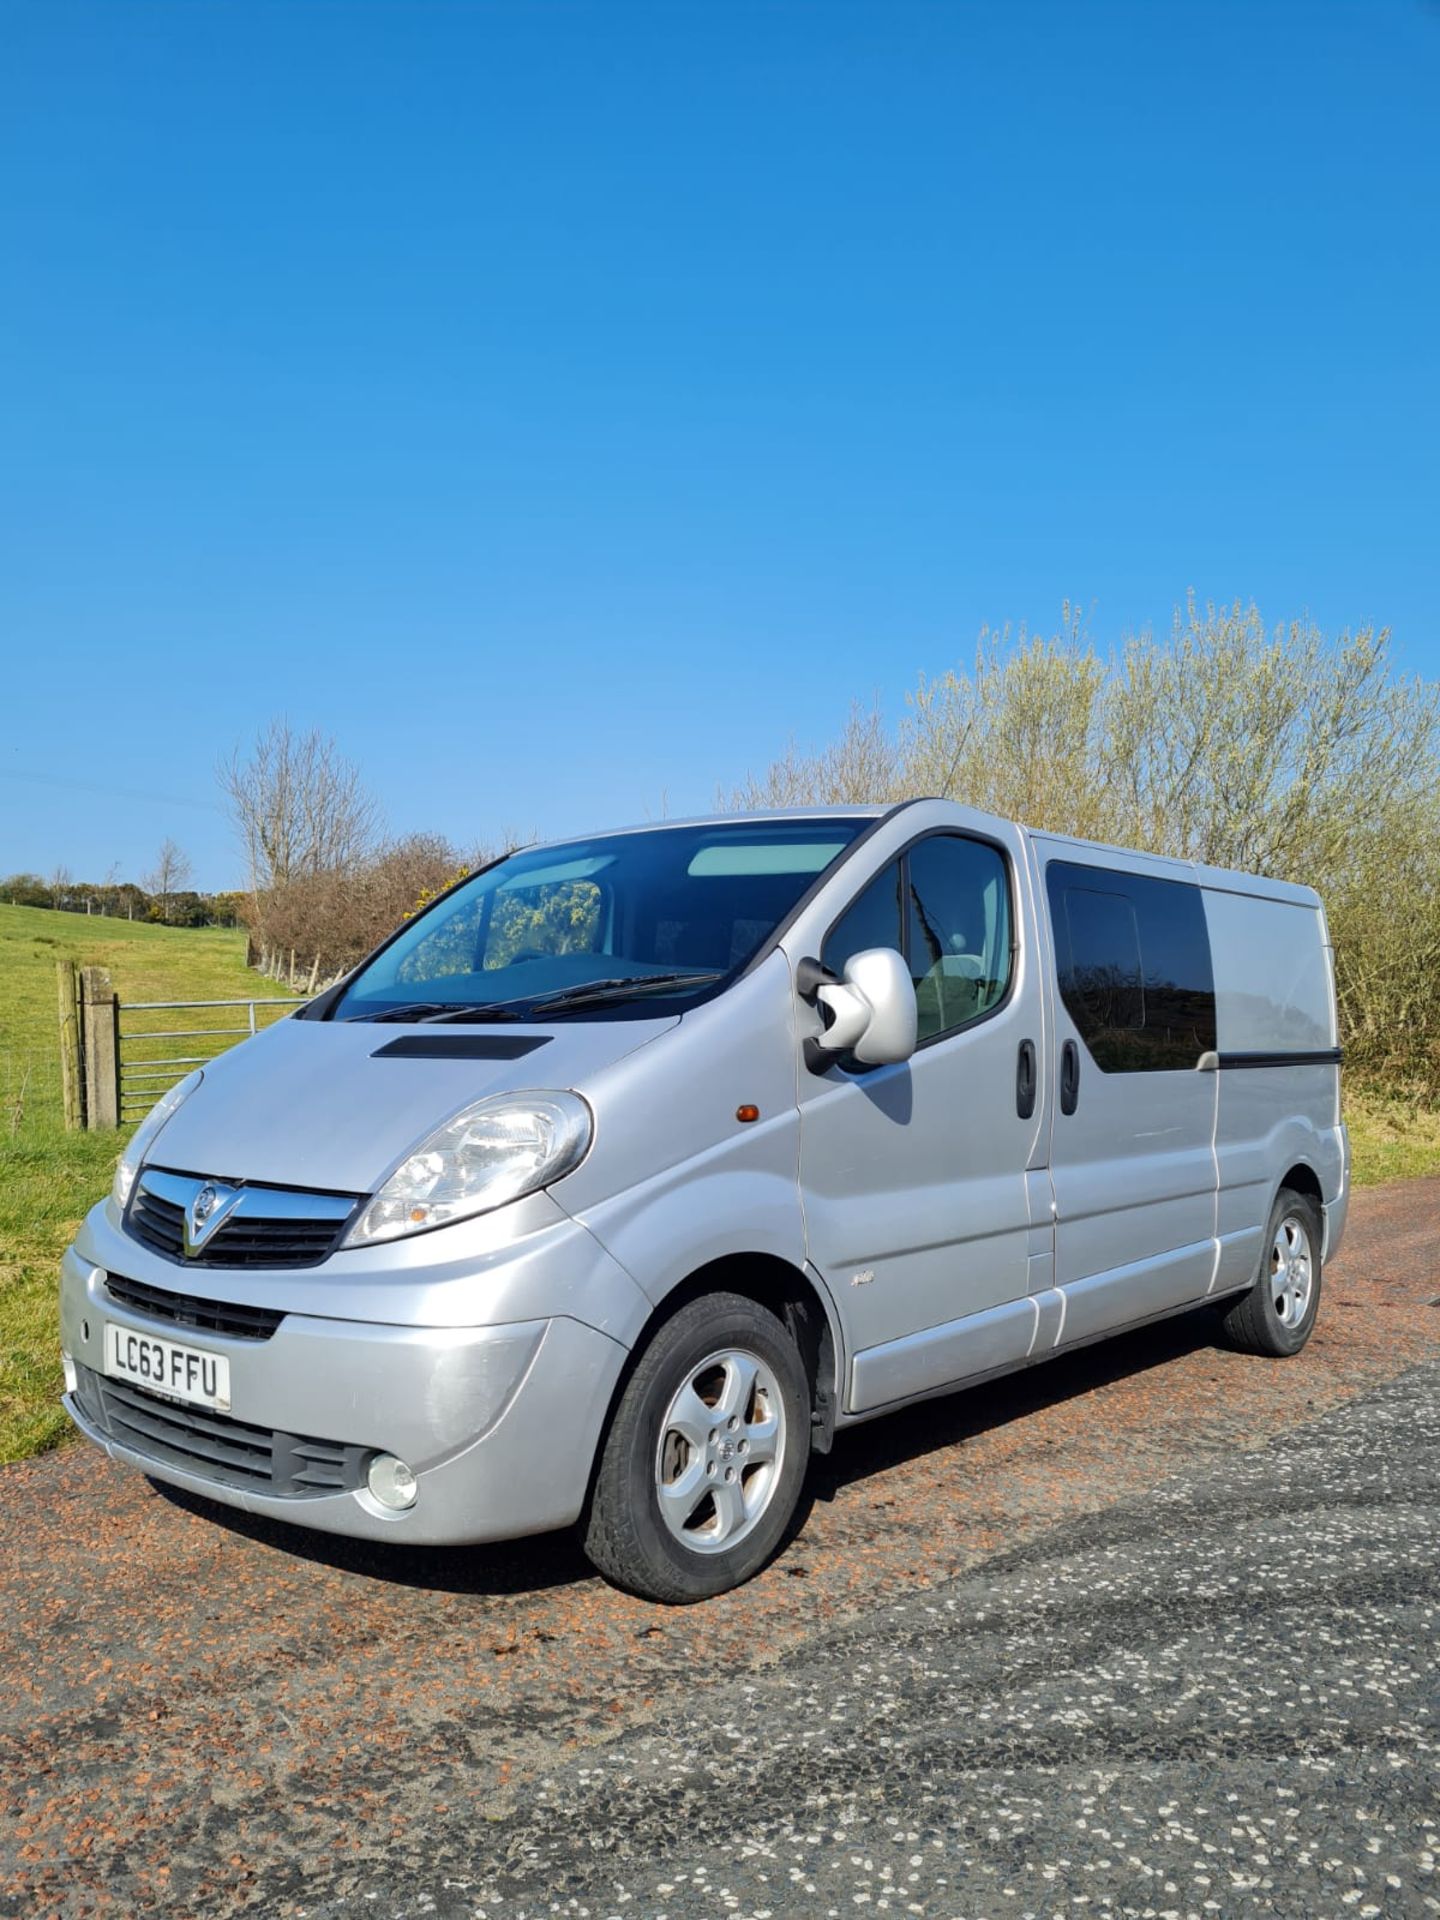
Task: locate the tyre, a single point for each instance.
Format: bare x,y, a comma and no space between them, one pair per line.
706,1455
1277,1315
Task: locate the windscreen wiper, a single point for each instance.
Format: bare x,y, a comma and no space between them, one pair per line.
597,992
439,1010
413,1011
591,992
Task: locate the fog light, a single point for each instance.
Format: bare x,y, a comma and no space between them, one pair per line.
392,1482
72,1379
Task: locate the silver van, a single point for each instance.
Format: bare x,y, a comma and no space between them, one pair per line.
635,1167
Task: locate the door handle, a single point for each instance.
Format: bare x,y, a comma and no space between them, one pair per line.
1025,1080
1069,1077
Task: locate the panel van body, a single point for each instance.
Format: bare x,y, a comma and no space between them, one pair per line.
890,1100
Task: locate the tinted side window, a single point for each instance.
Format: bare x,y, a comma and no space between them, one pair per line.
872,920
1133,957
957,931
1105,977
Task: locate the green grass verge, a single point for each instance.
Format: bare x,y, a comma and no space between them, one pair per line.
1390,1139
49,1178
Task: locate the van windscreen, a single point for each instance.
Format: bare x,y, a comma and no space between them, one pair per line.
657,916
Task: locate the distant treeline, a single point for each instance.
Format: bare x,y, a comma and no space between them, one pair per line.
124,900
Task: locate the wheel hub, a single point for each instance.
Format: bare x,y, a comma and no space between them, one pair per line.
1292,1271
721,1447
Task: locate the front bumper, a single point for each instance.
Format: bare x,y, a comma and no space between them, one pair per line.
499,1424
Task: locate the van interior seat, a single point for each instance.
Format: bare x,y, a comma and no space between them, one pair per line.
953,991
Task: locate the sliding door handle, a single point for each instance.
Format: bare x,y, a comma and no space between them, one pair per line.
1069,1077
1025,1080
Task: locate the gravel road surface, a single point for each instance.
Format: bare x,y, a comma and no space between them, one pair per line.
1148,1631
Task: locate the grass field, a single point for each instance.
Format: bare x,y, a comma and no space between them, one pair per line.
50,1178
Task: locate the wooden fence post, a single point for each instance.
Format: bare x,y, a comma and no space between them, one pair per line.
72,1071
100,1025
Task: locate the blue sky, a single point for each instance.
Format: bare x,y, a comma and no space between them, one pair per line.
565,405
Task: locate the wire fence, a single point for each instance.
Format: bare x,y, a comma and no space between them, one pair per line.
29,1085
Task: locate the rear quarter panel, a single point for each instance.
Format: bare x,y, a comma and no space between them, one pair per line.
1274,994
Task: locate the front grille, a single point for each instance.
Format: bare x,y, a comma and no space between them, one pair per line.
188,1310
231,1453
272,1227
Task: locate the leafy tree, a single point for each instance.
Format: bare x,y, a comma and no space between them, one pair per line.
861,766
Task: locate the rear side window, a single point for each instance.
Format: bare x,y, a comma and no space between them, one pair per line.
945,905
1132,954
1105,979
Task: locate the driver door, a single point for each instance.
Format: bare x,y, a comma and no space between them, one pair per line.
916,1178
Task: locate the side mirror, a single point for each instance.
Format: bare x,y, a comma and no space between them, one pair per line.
871,1009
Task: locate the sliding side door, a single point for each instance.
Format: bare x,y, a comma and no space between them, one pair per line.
1132,1148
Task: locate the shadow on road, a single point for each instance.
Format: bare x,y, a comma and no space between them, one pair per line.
555,1560
510,1567
953,1418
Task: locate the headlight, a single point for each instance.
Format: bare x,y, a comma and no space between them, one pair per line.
143,1138
491,1152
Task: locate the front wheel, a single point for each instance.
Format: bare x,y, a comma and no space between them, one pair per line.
706,1455
1277,1315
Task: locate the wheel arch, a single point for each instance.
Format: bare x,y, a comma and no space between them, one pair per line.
792,1294
1302,1178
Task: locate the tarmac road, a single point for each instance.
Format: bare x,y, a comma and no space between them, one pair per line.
1219,1698
1150,1630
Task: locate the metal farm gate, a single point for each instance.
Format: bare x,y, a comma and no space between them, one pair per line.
150,1059
118,1057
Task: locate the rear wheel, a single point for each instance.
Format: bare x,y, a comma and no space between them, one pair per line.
1277,1315
706,1456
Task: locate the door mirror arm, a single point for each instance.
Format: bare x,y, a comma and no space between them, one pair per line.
847,1016
810,975
869,1013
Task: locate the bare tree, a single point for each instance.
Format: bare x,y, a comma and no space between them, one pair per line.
168,875
59,886
298,806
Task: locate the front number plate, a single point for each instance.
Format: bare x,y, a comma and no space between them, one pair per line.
164,1366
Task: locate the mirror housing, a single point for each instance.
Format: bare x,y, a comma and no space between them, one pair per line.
871,1008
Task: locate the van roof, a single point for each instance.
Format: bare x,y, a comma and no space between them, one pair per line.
1219,878
738,819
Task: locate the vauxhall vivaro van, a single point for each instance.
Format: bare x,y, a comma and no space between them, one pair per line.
633,1168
